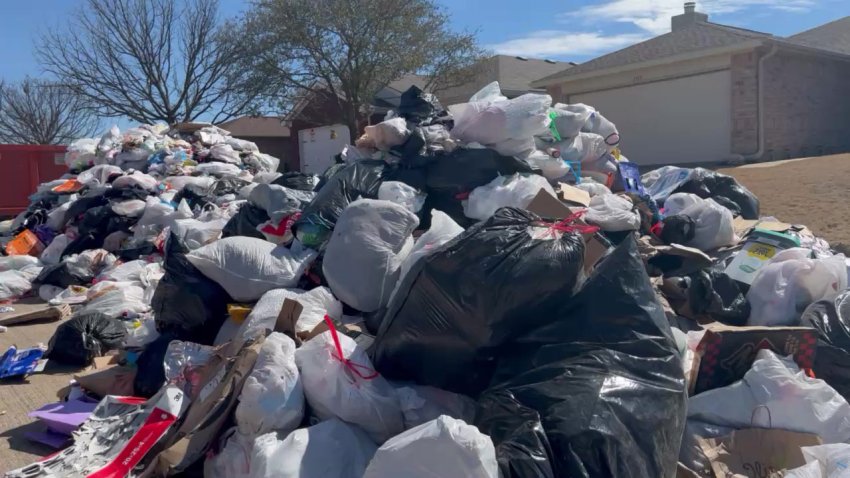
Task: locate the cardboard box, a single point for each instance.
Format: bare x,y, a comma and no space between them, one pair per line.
547,206
761,246
287,319
725,352
756,452
573,195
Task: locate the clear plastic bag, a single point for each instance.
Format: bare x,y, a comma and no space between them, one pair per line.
340,381
401,193
225,153
823,461
789,282
713,225
613,213
678,202
517,190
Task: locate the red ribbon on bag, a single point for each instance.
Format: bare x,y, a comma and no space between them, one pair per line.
354,367
568,224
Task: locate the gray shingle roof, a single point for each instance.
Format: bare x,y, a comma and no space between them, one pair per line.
833,36
516,74
699,36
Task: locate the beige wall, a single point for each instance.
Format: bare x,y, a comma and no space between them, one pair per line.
807,105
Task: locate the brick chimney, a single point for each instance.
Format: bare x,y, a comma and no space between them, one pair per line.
690,17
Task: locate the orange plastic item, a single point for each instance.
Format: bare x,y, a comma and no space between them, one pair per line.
69,186
25,243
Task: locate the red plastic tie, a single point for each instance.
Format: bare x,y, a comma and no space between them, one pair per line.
568,224
354,367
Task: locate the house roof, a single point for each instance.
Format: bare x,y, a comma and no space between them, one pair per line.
405,82
517,73
830,38
833,36
257,126
696,37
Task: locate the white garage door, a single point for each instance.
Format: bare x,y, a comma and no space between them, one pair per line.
686,120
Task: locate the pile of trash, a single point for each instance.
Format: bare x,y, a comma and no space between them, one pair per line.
491,290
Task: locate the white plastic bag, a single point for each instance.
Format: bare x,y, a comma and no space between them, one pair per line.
14,284
343,383
401,193
613,213
234,459
247,267
678,202
215,168
262,162
331,449
56,217
787,397
242,144
517,190
137,179
179,182
81,153
789,282
278,201
442,448
570,119
225,153
195,233
272,398
99,175
660,183
315,303
115,299
124,272
823,461
131,208
443,229
365,251
593,188
421,404
387,134
16,263
712,225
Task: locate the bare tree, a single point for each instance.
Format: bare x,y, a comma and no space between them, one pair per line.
347,50
150,60
41,112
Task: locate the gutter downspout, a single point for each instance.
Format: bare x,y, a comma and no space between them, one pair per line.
745,158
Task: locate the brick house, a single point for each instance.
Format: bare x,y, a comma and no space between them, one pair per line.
707,93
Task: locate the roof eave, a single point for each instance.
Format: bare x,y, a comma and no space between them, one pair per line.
790,45
738,47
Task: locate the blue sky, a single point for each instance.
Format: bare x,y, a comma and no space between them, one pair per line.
571,30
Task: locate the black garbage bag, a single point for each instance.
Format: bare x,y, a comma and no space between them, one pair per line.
723,189
713,294
195,195
355,180
457,308
297,180
245,222
678,229
82,243
133,253
605,376
151,367
451,177
329,173
228,185
522,447
91,199
84,337
64,274
126,194
101,221
831,318
417,106
186,304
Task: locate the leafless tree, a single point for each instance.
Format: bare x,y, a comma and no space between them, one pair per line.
150,60
41,112
347,50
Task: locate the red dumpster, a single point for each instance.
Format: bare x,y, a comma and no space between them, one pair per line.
22,168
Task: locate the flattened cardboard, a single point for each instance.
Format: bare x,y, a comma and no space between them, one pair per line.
756,452
109,380
726,352
573,195
27,313
287,319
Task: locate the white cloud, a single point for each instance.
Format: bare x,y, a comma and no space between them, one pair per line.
552,43
654,15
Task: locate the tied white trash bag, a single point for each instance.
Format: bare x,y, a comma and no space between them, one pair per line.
363,256
613,213
14,284
131,208
331,449
401,193
792,401
443,229
137,179
517,190
592,187
442,448
234,459
116,299
823,461
196,233
315,303
340,381
81,153
421,404
272,398
247,267
712,225
263,163
56,217
789,282
124,272
225,153
678,202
